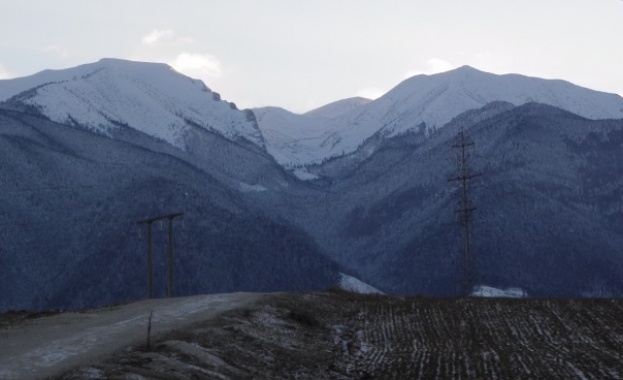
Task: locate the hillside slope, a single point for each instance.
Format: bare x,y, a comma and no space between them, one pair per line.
548,216
70,206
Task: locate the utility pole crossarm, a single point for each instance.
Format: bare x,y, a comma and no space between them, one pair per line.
156,218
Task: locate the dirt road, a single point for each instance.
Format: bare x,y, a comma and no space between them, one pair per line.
46,346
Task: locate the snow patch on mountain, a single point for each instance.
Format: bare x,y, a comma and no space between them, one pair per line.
304,175
149,97
491,292
288,135
246,188
354,285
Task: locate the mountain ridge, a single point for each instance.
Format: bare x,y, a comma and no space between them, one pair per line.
548,219
338,107
520,153
149,97
431,100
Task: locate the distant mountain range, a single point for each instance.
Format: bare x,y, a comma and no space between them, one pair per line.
278,201
423,100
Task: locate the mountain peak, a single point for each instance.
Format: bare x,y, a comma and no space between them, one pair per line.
12,87
432,100
149,97
458,70
466,68
110,61
126,62
338,107
127,66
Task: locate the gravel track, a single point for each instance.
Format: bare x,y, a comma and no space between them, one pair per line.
42,347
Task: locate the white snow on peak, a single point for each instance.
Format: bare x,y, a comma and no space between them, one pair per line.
298,140
149,97
287,134
436,99
491,292
354,285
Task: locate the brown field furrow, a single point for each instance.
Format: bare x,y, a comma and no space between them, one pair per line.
345,336
521,364
418,364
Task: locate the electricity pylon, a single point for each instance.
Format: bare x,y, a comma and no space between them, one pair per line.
465,209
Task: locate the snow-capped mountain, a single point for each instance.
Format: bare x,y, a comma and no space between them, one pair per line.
149,97
429,100
548,218
287,134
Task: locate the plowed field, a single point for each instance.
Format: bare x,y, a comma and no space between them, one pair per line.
345,336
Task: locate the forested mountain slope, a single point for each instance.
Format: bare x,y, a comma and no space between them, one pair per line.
70,204
80,167
548,216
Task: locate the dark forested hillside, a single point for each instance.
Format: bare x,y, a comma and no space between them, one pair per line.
69,205
548,217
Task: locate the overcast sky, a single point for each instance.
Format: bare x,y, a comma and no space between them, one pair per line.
301,54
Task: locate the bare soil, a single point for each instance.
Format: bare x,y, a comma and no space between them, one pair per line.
338,335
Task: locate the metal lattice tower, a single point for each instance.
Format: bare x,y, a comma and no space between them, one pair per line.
465,209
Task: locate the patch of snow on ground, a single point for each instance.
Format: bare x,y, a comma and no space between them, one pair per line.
354,285
93,373
488,291
246,188
304,175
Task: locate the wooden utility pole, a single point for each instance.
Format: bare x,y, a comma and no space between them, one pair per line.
149,222
150,289
170,278
465,208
